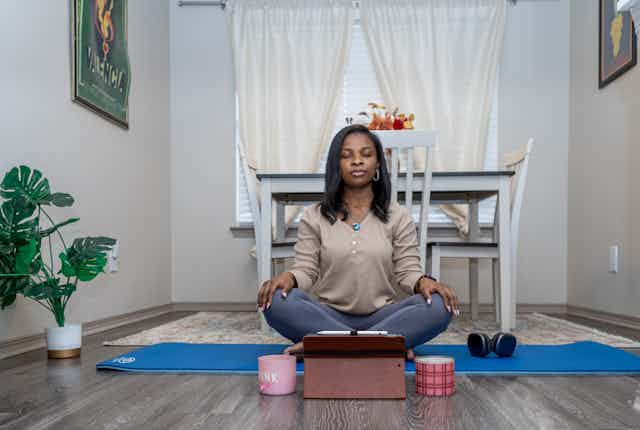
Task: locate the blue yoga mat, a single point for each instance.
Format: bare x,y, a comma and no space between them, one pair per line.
580,358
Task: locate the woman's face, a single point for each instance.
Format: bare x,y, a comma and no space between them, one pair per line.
358,160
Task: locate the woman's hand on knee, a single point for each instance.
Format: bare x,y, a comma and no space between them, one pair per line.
427,287
285,281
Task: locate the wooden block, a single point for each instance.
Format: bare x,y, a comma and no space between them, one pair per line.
354,367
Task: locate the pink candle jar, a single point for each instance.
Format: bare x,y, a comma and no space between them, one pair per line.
277,374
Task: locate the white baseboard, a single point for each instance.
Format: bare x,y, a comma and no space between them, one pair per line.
617,319
19,345
214,306
29,343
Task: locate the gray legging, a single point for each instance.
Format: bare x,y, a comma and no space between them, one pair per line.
300,314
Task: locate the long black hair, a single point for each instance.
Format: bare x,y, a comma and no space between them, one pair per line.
333,187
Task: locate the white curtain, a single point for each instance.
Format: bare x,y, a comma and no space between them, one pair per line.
439,59
289,58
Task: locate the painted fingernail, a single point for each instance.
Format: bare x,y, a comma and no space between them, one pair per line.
429,301
284,295
449,308
268,305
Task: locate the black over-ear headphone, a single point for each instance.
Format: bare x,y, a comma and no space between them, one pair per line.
480,345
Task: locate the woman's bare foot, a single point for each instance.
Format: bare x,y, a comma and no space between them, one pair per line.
410,354
295,349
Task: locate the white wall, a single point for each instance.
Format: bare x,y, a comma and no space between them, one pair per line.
211,265
534,101
604,205
120,179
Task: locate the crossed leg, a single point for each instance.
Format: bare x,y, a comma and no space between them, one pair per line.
300,314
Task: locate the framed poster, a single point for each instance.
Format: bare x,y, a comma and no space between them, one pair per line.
618,45
101,70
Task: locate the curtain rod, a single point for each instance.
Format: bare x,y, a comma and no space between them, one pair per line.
223,3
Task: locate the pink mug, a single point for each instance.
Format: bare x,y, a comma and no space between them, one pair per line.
277,374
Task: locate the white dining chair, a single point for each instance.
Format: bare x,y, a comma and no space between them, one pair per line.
403,145
517,161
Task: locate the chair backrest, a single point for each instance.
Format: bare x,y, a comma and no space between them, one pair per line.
406,142
518,161
250,178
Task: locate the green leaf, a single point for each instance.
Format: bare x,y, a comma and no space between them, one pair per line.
44,290
25,256
86,257
36,263
6,248
11,284
23,209
7,301
67,268
48,289
14,226
6,222
53,229
86,269
61,200
6,264
66,290
36,291
22,183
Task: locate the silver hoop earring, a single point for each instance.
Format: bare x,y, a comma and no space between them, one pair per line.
376,178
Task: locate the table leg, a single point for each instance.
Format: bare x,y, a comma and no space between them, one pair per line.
281,222
504,247
514,284
474,296
281,232
435,262
495,271
264,244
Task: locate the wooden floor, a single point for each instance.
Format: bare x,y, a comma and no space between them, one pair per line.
36,393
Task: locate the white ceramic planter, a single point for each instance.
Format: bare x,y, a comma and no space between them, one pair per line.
64,342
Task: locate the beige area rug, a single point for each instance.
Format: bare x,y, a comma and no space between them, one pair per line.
244,327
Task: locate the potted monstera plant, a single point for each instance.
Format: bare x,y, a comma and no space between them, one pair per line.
27,264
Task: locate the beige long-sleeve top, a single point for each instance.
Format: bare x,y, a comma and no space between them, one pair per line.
357,272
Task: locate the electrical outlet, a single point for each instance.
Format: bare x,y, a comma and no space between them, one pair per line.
112,258
614,258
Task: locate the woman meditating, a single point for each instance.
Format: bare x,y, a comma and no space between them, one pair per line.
355,253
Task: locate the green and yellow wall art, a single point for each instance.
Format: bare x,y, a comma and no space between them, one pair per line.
101,70
618,45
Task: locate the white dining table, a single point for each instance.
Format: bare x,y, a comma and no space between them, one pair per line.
446,187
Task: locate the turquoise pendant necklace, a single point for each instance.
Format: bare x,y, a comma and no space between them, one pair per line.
356,226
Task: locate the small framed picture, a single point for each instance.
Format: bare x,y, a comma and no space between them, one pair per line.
618,45
100,70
